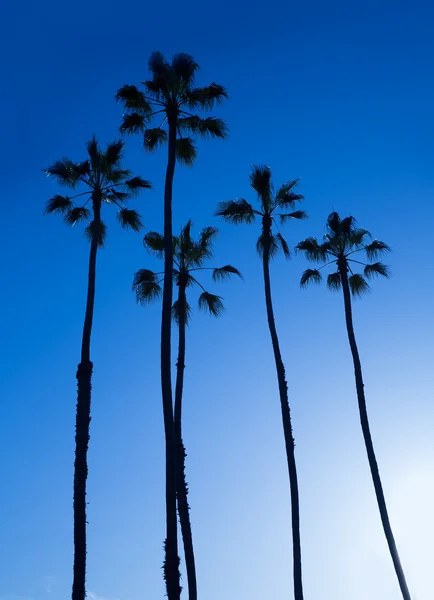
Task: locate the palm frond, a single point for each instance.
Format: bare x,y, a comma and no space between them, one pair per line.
376,248
58,204
211,303
93,230
113,153
357,236
310,276
358,284
273,245
116,196
185,67
210,126
129,219
205,97
94,153
376,270
185,241
284,245
296,214
116,175
65,172
225,272
153,138
158,65
154,242
76,214
313,250
185,151
348,226
334,281
146,286
132,123
176,312
236,211
138,183
334,222
133,99
260,181
286,197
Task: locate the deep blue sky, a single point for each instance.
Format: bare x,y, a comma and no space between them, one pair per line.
336,93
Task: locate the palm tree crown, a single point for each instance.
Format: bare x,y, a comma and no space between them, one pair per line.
172,94
106,181
342,241
189,257
271,206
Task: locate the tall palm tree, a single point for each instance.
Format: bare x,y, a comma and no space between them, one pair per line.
103,181
342,242
189,258
271,206
171,94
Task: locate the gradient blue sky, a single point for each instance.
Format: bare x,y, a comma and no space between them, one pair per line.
337,93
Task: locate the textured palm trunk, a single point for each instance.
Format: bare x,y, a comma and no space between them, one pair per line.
367,435
82,422
181,483
286,419
171,559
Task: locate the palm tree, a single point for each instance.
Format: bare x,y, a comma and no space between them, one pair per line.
189,258
171,94
103,181
268,245
342,241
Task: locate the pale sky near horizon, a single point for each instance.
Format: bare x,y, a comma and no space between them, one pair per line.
339,94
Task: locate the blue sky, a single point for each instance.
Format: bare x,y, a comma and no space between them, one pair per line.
335,93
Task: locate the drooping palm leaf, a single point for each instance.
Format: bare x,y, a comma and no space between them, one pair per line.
377,269
260,181
93,230
205,97
132,123
138,183
334,281
284,245
133,99
314,251
58,204
211,303
65,172
129,219
176,312
186,151
236,211
113,153
271,241
153,138
310,276
296,214
376,248
209,126
358,284
76,214
146,286
154,242
185,67
225,272
357,236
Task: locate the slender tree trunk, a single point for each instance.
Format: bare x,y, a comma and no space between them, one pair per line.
367,436
171,559
82,421
286,419
181,483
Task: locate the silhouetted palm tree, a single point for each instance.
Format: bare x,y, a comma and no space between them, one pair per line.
103,181
342,241
172,95
189,258
268,245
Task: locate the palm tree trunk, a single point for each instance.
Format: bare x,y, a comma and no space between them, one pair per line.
367,436
181,483
287,426
82,421
171,559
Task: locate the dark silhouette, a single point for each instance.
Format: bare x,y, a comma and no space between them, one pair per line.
106,181
268,245
189,257
342,240
171,94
